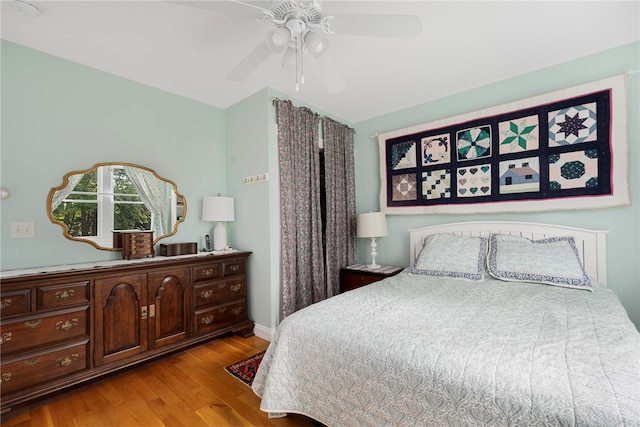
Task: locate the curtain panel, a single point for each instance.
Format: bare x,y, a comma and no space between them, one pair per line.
302,265
340,187
314,246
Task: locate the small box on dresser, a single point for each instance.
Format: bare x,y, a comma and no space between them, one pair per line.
134,243
175,249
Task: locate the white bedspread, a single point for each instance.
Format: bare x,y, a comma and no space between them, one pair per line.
419,351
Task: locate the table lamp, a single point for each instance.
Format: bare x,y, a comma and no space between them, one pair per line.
218,209
373,225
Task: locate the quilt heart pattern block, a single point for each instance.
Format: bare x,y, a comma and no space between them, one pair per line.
474,181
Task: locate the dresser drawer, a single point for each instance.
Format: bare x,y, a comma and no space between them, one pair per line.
61,295
206,272
210,319
38,368
15,302
208,294
37,330
233,267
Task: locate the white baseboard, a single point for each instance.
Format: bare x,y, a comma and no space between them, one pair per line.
264,332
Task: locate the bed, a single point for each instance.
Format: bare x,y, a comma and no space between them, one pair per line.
536,339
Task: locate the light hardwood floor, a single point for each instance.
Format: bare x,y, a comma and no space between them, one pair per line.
189,388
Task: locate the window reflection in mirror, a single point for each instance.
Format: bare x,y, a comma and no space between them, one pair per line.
91,204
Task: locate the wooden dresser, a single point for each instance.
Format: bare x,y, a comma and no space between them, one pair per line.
59,328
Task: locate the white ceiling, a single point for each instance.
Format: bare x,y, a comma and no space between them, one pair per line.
188,51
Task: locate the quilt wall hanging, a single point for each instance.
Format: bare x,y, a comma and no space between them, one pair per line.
562,150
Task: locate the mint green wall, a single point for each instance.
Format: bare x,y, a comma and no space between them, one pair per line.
623,223
250,152
58,116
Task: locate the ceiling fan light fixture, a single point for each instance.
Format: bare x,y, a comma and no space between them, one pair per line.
289,58
315,43
278,39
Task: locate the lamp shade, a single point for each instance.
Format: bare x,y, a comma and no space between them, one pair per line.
372,224
218,209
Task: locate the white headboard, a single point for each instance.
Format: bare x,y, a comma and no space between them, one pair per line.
591,244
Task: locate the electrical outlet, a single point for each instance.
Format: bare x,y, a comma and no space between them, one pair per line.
23,230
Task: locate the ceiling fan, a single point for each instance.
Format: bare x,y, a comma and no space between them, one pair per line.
300,27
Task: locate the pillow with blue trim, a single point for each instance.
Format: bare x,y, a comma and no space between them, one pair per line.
552,261
452,255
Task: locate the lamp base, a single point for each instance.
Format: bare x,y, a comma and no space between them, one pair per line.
373,264
219,237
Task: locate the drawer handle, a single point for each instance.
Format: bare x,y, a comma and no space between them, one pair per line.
66,361
67,325
234,267
6,376
5,303
236,287
207,320
33,323
206,294
208,272
65,295
6,336
31,363
236,311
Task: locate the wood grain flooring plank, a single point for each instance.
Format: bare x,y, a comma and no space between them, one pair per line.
186,389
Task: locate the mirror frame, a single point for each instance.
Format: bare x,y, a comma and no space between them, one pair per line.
65,182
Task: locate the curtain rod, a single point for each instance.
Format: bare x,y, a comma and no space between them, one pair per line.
322,117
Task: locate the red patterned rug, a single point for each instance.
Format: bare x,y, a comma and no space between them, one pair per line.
246,369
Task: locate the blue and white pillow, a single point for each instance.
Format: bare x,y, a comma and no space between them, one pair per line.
452,255
552,261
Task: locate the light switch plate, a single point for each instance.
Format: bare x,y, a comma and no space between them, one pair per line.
23,230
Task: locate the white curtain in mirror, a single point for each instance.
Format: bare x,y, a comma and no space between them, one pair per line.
60,195
154,194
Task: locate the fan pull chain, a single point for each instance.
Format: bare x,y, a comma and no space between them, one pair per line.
299,63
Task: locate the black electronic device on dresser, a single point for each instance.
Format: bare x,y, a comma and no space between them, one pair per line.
358,275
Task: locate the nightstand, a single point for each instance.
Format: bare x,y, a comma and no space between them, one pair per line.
358,275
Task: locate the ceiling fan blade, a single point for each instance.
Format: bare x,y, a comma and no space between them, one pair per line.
328,72
248,65
392,26
240,9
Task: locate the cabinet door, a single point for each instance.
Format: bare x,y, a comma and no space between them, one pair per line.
121,318
168,299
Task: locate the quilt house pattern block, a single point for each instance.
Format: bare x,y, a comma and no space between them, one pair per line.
556,150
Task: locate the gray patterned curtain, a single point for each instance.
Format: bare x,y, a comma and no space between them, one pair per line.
340,187
302,269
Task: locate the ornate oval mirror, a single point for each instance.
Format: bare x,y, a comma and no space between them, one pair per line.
91,204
